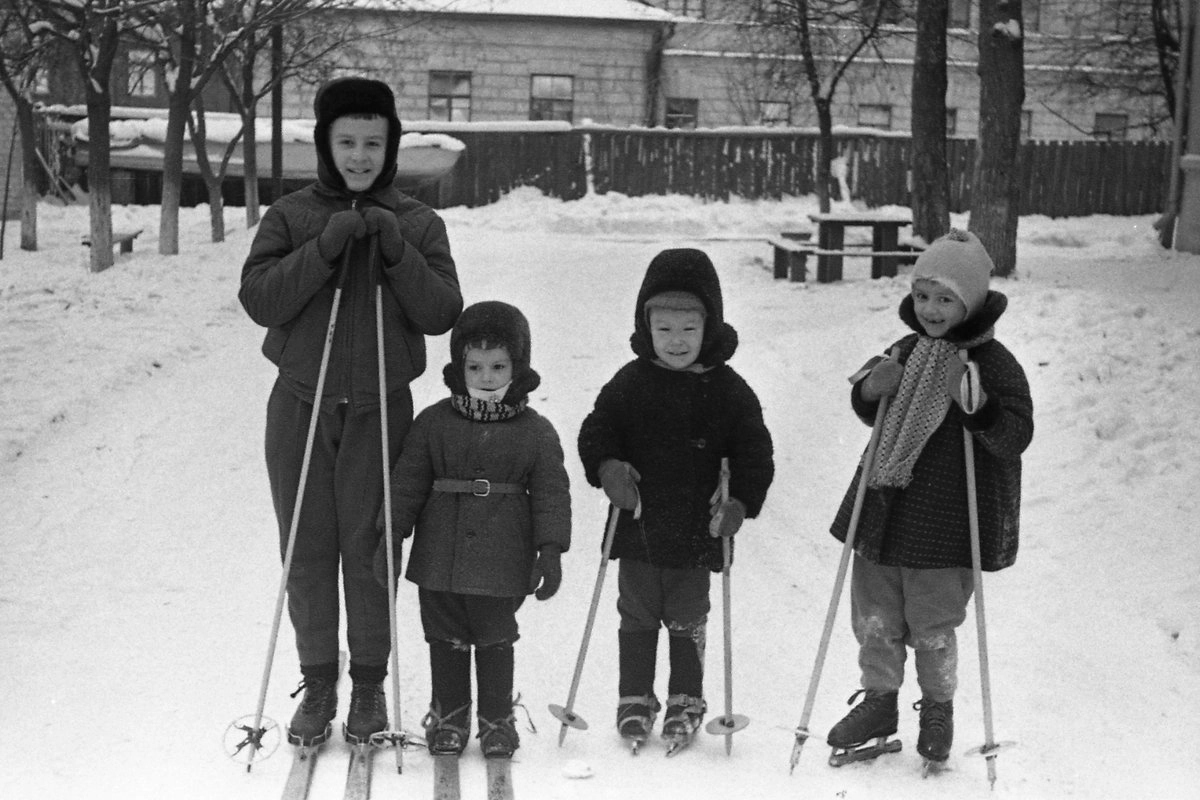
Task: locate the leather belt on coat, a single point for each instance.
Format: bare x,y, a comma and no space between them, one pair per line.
479,487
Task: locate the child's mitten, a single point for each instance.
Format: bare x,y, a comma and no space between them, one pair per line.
727,517
383,222
339,230
547,572
619,480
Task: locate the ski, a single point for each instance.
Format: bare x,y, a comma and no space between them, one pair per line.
841,756
300,775
499,779
358,776
445,778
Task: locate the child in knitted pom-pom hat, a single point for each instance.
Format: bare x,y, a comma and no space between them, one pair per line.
289,282
912,573
655,440
482,489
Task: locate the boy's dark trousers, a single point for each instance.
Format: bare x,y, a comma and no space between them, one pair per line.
343,495
650,597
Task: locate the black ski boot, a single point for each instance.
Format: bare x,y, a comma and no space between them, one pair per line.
368,712
311,724
937,730
498,738
685,713
635,718
447,734
876,717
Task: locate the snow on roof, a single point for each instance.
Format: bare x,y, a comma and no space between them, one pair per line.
576,9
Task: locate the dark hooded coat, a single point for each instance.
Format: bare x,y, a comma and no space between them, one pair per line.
674,427
464,543
287,287
925,524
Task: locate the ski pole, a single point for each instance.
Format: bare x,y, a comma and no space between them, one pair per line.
396,736
257,731
729,723
566,714
868,461
970,395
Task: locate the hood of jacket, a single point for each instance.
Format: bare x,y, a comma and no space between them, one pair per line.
685,270
994,305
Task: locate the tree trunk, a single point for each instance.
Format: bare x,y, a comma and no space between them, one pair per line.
30,169
250,142
996,186
179,105
99,106
930,175
826,149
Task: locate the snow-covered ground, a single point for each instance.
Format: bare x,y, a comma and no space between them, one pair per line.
138,564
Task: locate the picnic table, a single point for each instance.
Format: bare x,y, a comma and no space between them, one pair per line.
884,252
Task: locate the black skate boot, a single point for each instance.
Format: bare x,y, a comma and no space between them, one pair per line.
368,712
684,715
937,731
498,738
310,724
876,717
635,718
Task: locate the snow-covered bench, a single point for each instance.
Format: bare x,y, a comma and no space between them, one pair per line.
122,238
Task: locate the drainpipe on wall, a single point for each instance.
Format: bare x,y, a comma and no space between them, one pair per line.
1187,229
654,74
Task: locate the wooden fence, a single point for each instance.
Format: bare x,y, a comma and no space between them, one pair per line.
1059,179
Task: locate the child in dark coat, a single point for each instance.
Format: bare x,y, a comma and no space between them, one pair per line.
482,487
912,573
288,286
655,440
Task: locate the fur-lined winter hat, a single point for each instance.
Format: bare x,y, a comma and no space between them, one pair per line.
959,262
680,279
343,96
495,324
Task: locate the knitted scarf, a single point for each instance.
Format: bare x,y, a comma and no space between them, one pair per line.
917,410
478,410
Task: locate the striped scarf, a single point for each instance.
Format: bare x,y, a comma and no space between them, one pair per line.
478,410
917,410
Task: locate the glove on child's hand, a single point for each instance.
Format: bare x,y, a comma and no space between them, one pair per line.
963,385
727,517
383,222
547,572
619,480
882,381
379,563
341,228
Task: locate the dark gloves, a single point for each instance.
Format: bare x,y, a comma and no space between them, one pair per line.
383,223
547,572
619,480
882,381
727,517
341,228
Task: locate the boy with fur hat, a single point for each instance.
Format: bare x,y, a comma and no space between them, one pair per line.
912,573
482,489
655,440
288,286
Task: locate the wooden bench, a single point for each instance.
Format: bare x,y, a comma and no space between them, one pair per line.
122,238
791,256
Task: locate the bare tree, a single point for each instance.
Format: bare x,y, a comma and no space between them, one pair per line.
930,174
824,37
1121,50
91,31
996,189
22,56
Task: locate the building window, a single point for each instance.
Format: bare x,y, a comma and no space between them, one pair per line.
1026,125
951,121
1110,127
891,13
688,8
682,112
141,79
552,97
960,14
874,115
450,96
774,113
